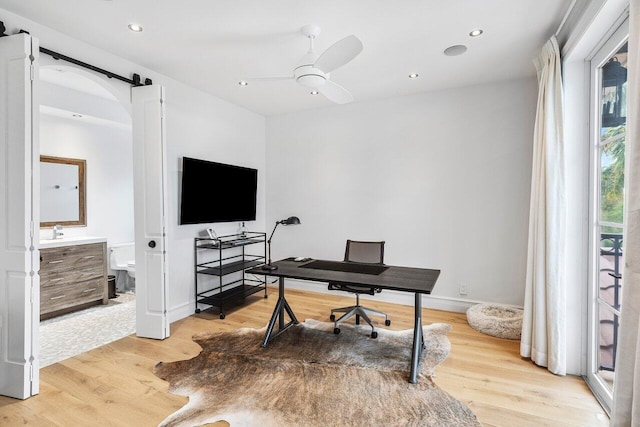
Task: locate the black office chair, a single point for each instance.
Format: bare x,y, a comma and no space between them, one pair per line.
364,252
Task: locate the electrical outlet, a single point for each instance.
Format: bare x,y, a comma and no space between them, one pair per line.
462,289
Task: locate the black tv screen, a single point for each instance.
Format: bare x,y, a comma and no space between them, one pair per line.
217,192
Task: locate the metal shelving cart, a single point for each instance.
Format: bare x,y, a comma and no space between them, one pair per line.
224,261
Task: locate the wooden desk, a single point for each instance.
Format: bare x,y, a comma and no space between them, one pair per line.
405,279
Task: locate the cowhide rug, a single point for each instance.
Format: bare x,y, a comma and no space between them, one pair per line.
308,376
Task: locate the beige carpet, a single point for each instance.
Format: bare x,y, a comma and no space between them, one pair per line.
309,377
66,336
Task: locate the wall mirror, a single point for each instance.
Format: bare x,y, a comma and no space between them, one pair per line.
62,191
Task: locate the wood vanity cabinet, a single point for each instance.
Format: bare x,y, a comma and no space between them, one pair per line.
72,277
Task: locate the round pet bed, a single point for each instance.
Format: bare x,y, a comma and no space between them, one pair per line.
497,320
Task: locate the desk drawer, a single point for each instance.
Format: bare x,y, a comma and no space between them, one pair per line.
68,295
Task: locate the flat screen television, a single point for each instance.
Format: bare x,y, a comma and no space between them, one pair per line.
217,192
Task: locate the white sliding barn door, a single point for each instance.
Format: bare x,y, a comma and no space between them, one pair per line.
19,217
149,183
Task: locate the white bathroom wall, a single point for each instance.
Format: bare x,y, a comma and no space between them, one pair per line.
109,173
442,177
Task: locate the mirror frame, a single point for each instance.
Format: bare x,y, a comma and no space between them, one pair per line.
82,221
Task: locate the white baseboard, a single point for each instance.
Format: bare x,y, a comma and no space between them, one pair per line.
434,302
180,312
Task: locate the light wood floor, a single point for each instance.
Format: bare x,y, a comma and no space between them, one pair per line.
114,384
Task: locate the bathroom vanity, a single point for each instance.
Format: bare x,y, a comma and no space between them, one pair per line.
73,275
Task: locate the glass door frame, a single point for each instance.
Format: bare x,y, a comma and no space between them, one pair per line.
601,55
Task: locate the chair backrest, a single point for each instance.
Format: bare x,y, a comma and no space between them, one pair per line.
368,252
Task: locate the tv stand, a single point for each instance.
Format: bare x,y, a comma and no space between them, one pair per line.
220,264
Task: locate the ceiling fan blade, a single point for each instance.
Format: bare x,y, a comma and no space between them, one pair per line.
339,54
336,93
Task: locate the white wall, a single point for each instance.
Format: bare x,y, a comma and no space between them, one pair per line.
203,127
109,174
442,177
197,124
102,137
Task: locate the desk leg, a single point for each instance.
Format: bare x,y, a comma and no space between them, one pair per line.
418,340
278,314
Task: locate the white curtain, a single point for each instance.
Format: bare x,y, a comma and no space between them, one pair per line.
544,324
626,397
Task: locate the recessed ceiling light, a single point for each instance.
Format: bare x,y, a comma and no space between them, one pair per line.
314,92
135,28
476,33
413,75
455,50
77,116
242,83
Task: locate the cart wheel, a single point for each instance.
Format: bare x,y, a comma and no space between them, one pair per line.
374,335
197,310
332,317
387,322
222,316
336,331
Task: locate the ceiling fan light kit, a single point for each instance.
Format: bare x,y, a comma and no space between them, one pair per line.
308,76
313,69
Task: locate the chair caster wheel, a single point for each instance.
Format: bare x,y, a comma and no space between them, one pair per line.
197,310
336,331
374,335
266,296
332,317
222,316
387,322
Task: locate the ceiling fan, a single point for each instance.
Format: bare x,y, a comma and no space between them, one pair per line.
313,69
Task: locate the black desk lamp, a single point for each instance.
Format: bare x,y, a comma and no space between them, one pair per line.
292,220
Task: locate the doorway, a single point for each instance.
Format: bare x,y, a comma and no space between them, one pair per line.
607,147
81,119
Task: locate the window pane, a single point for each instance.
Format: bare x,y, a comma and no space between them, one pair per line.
613,111
610,263
612,176
613,94
608,330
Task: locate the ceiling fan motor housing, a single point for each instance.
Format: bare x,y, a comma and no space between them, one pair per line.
310,77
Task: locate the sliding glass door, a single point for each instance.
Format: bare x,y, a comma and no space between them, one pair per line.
608,137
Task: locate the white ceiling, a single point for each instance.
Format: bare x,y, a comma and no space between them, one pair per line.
63,76
211,45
